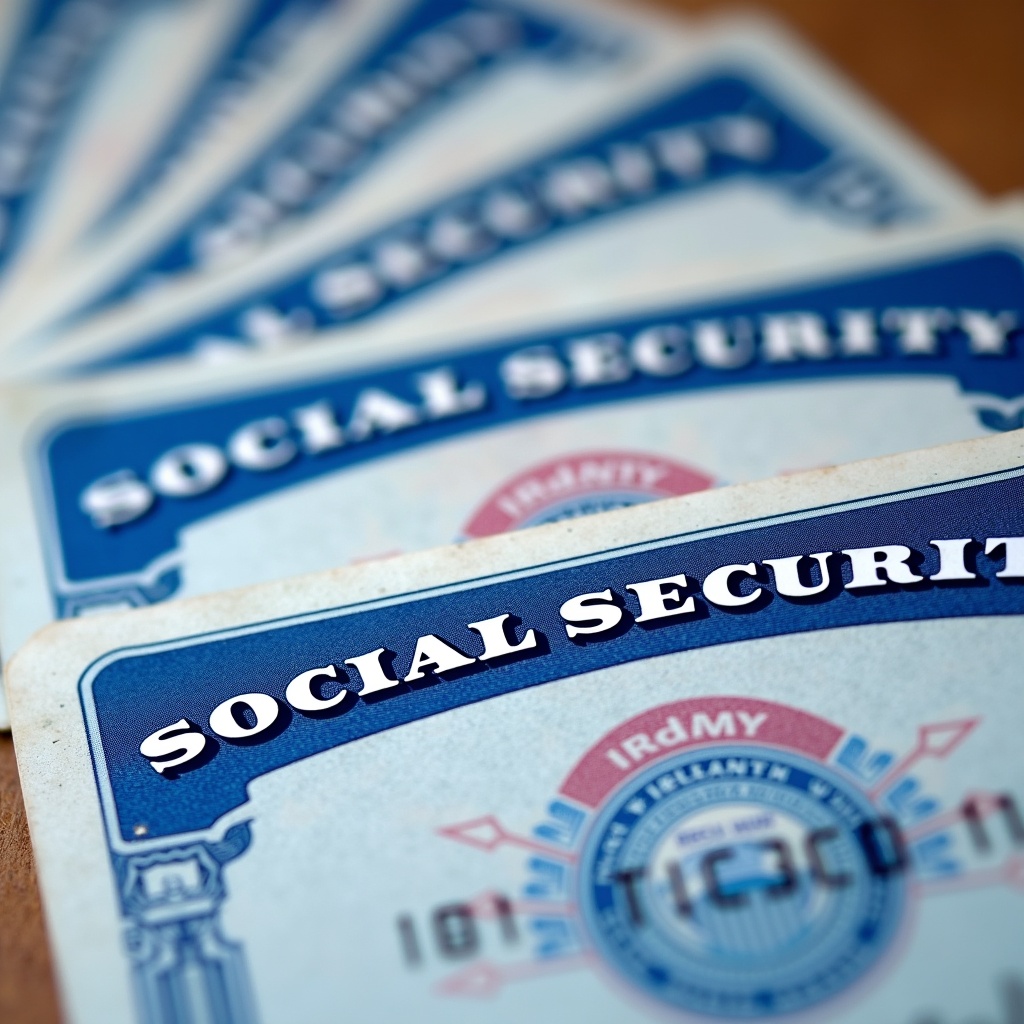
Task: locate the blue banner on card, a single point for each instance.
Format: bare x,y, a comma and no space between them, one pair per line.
250,53
490,637
727,126
117,491
179,731
431,51
60,45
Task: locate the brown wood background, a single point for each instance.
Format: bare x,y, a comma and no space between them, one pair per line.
951,70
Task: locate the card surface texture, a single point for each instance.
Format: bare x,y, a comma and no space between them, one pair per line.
513,511
56,51
65,277
131,97
133,489
260,39
743,151
400,67
740,754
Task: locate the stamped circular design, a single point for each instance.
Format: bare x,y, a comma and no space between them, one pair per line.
756,883
734,858
579,484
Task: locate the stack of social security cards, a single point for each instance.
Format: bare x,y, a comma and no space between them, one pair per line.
710,707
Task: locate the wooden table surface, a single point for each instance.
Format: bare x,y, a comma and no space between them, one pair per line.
948,69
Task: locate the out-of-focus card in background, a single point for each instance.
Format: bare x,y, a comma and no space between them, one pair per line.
747,750
252,52
123,130
422,53
312,286
14,18
55,50
132,95
755,155
129,490
517,70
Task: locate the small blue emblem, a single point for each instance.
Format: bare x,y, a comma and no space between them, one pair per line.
742,882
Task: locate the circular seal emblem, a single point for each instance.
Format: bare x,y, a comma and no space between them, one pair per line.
735,858
579,484
736,882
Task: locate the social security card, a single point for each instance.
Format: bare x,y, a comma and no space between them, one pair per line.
751,150
133,96
421,53
171,199
400,67
13,22
742,755
252,51
131,490
754,150
54,49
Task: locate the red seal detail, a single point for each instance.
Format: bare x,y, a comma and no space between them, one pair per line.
687,723
623,478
